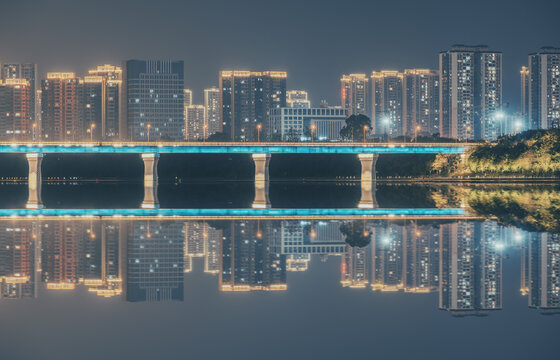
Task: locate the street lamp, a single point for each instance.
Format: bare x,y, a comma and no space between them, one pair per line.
416,129
259,127
386,121
92,126
365,129
313,127
467,133
205,127
34,129
149,126
517,126
499,116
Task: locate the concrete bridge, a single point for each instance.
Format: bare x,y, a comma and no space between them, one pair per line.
261,153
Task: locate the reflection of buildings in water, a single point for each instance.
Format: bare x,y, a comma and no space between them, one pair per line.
20,260
470,268
146,260
387,258
421,259
543,272
202,240
354,267
298,262
310,237
154,261
248,260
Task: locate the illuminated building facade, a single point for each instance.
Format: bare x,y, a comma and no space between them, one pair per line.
470,269
544,89
194,123
421,102
247,99
188,99
248,260
296,124
16,112
543,272
387,103
101,101
61,108
154,261
387,258
525,86
20,261
421,259
354,94
297,99
354,267
27,71
212,111
470,92
152,100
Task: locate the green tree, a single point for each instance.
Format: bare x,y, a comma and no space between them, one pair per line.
219,137
354,128
356,234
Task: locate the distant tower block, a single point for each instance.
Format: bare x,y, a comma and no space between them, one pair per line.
368,200
150,181
34,161
261,181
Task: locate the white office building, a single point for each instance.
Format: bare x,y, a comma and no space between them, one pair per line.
323,124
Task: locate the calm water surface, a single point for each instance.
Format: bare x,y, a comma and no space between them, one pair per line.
484,286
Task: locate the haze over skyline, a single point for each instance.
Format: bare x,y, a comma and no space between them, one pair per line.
314,44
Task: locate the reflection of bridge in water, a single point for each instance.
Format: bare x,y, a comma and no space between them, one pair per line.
260,152
239,214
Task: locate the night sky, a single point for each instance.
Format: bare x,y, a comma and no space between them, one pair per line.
315,41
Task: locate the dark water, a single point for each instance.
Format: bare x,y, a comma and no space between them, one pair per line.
484,286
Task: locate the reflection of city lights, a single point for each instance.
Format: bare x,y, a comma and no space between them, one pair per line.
386,240
500,246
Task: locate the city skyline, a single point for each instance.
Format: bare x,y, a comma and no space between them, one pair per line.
320,79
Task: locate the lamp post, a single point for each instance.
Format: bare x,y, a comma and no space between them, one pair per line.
91,127
149,126
259,127
205,127
365,129
313,127
386,122
467,133
34,129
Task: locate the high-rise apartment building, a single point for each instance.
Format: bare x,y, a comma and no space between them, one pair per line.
152,100
101,101
544,272
544,89
212,111
247,99
354,94
187,101
387,258
61,109
27,71
525,86
470,92
354,267
195,128
16,112
387,103
298,99
421,102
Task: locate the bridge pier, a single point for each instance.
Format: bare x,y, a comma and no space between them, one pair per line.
34,161
262,162
150,181
368,200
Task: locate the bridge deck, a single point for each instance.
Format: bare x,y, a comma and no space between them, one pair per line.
233,148
233,214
